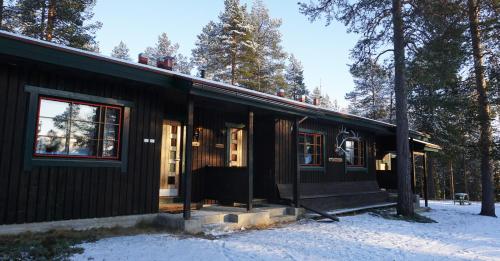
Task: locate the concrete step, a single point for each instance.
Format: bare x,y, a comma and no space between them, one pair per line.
248,219
283,219
218,229
273,212
210,218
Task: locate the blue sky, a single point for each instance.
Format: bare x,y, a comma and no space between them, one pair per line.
323,51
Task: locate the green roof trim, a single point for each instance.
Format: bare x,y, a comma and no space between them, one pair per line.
14,47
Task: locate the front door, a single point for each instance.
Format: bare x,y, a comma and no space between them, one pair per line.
170,159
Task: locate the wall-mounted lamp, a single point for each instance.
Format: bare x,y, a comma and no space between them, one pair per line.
222,132
196,134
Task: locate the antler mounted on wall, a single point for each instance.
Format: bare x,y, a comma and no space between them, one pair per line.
342,136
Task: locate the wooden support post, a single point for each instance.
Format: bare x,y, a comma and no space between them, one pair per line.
452,182
426,193
296,180
413,172
250,160
189,162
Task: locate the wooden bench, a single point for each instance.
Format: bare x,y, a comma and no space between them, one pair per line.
335,195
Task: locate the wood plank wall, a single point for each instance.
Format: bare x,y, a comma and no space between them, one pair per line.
210,121
332,172
58,193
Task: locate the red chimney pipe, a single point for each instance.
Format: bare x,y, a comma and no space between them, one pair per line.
316,101
281,93
166,63
143,58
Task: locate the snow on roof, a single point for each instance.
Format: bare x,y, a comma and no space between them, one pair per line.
193,79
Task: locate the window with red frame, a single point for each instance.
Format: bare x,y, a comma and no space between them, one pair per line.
73,129
355,153
310,149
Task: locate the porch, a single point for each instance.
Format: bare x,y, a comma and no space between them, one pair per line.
225,218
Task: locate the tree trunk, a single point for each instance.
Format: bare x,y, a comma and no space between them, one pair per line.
405,195
464,169
42,20
431,178
233,68
391,107
1,14
50,20
487,201
233,60
452,181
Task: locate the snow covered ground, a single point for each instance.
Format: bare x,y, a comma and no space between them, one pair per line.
460,234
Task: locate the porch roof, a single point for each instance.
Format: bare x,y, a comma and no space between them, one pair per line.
16,45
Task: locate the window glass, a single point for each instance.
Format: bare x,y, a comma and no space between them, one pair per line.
112,115
111,132
50,145
52,108
109,149
355,153
75,129
310,149
82,112
83,129
236,149
386,162
82,147
47,127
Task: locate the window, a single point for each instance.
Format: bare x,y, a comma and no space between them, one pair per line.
237,142
67,128
385,162
355,153
310,149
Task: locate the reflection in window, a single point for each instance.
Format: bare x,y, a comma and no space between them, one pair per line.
75,129
310,149
355,153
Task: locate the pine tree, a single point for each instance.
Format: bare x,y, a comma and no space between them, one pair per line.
372,89
1,13
223,48
121,52
438,97
294,76
242,48
323,98
65,22
263,65
182,64
164,47
207,55
488,201
7,15
235,39
380,23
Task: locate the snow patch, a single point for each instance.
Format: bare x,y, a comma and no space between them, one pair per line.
460,234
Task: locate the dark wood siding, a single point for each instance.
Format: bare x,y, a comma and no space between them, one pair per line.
56,193
210,120
332,172
264,179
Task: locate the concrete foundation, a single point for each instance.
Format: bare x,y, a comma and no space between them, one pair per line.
223,217
207,217
78,224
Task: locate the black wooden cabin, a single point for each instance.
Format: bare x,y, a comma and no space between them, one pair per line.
85,136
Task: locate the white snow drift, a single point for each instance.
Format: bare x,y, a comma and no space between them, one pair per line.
460,234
